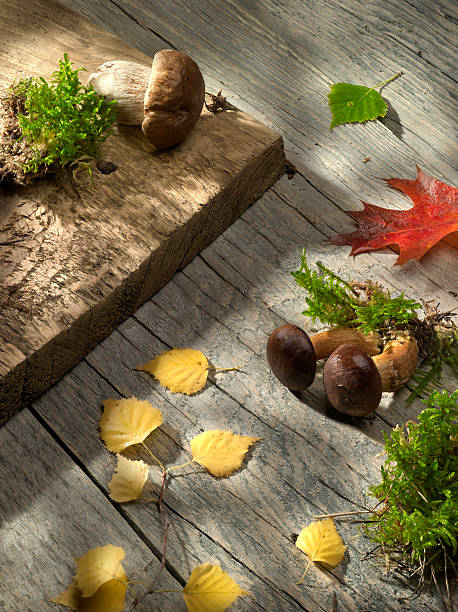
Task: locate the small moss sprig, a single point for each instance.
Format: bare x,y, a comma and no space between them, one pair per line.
367,306
64,121
418,525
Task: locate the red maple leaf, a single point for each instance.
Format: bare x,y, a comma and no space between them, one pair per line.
433,216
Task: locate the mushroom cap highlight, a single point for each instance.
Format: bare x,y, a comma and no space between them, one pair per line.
352,381
173,99
291,357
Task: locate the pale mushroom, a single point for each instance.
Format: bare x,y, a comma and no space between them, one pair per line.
165,100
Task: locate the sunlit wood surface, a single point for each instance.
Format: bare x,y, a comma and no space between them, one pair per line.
275,60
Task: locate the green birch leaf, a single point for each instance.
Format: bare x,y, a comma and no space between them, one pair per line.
356,103
351,103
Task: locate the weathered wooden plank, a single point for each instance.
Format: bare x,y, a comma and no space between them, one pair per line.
51,512
72,408
302,470
280,44
227,301
303,41
74,265
250,513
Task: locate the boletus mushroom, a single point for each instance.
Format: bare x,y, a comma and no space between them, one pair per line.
166,100
291,357
352,382
396,363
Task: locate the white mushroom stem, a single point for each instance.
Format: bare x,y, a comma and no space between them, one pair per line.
125,82
397,362
328,341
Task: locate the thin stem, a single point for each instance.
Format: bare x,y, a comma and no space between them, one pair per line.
177,467
323,516
152,500
168,591
449,599
150,586
445,602
223,369
153,456
305,571
398,74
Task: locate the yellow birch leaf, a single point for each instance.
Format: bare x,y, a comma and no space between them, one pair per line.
70,597
109,597
127,421
321,542
128,480
210,589
96,567
220,452
180,370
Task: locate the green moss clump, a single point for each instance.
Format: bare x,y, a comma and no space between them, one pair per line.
418,525
58,122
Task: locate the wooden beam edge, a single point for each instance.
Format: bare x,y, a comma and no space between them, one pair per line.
27,377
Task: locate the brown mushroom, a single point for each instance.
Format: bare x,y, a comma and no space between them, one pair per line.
165,100
352,382
396,363
291,357
173,100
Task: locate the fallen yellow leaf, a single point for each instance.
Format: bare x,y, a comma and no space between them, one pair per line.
96,567
180,370
109,597
128,480
210,589
321,542
127,421
70,598
220,452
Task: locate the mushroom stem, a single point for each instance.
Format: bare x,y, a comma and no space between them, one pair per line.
397,362
328,341
125,82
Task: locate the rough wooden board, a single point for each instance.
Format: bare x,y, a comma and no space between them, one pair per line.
50,512
279,39
77,264
298,49
242,283
253,513
74,405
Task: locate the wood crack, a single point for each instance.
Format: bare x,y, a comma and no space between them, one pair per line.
141,534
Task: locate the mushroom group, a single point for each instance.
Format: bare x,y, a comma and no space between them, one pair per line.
356,372
166,99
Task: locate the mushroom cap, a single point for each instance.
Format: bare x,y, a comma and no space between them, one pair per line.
291,357
173,100
352,381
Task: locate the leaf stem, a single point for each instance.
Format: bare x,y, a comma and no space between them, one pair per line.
323,516
150,586
398,74
177,467
223,369
305,571
153,456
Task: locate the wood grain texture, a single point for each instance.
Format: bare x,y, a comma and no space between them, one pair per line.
253,513
75,262
269,58
51,512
